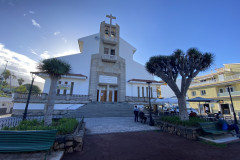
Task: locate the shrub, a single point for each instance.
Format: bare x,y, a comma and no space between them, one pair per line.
193,121
64,125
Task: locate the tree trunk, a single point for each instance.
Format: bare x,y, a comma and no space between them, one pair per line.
183,114
49,106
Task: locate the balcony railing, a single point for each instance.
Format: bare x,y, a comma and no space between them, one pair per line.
110,40
109,58
226,78
42,97
206,82
225,94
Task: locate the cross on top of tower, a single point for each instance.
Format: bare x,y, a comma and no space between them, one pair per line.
111,17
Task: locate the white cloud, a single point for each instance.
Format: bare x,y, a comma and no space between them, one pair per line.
34,23
65,41
56,33
45,55
18,64
24,14
33,52
31,12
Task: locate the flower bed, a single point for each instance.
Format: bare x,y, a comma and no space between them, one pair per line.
64,125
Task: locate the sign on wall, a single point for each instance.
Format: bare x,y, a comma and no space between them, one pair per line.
64,86
107,79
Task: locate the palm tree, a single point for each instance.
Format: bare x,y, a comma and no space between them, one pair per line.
20,81
188,65
55,68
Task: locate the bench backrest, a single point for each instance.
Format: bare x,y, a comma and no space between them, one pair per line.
41,139
208,125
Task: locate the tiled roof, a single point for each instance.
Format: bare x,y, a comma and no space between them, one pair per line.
70,74
144,80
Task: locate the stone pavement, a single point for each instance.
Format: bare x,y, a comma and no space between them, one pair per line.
114,125
150,145
31,156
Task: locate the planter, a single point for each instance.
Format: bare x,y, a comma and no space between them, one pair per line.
191,133
71,142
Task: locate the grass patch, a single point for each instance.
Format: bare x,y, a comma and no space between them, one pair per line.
221,145
64,125
193,121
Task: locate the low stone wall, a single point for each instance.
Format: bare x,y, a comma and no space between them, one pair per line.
37,112
72,142
191,133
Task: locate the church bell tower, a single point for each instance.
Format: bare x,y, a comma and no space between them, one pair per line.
108,69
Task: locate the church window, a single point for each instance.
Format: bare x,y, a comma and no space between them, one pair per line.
112,51
106,50
151,93
142,91
65,91
58,90
138,91
147,91
113,32
71,89
106,30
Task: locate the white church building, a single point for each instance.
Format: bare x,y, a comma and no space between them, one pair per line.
103,71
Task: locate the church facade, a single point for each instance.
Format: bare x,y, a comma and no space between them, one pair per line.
105,70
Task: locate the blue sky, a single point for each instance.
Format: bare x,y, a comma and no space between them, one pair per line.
42,28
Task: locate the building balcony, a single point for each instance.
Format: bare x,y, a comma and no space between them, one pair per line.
109,58
223,79
226,94
110,40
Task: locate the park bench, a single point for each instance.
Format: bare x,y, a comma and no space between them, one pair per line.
211,127
25,141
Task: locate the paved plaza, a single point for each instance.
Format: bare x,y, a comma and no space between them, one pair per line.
114,125
150,145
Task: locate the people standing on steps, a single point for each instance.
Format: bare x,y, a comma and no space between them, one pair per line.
135,111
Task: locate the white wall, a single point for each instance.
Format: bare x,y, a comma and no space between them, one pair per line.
133,90
134,70
80,64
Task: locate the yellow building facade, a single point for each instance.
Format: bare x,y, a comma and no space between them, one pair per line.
215,86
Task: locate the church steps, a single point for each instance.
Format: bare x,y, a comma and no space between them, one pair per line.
95,109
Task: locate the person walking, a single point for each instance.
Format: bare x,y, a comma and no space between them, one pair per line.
135,111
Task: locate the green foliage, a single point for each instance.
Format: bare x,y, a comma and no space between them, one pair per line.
21,89
193,121
20,81
179,62
35,88
64,126
54,67
6,74
4,84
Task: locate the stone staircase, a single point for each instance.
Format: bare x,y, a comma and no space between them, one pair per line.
103,109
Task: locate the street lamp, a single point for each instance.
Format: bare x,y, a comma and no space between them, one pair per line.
151,122
234,114
29,95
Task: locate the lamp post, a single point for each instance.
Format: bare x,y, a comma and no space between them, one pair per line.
234,114
29,95
151,123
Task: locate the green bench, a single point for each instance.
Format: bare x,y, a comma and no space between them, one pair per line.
211,127
25,141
